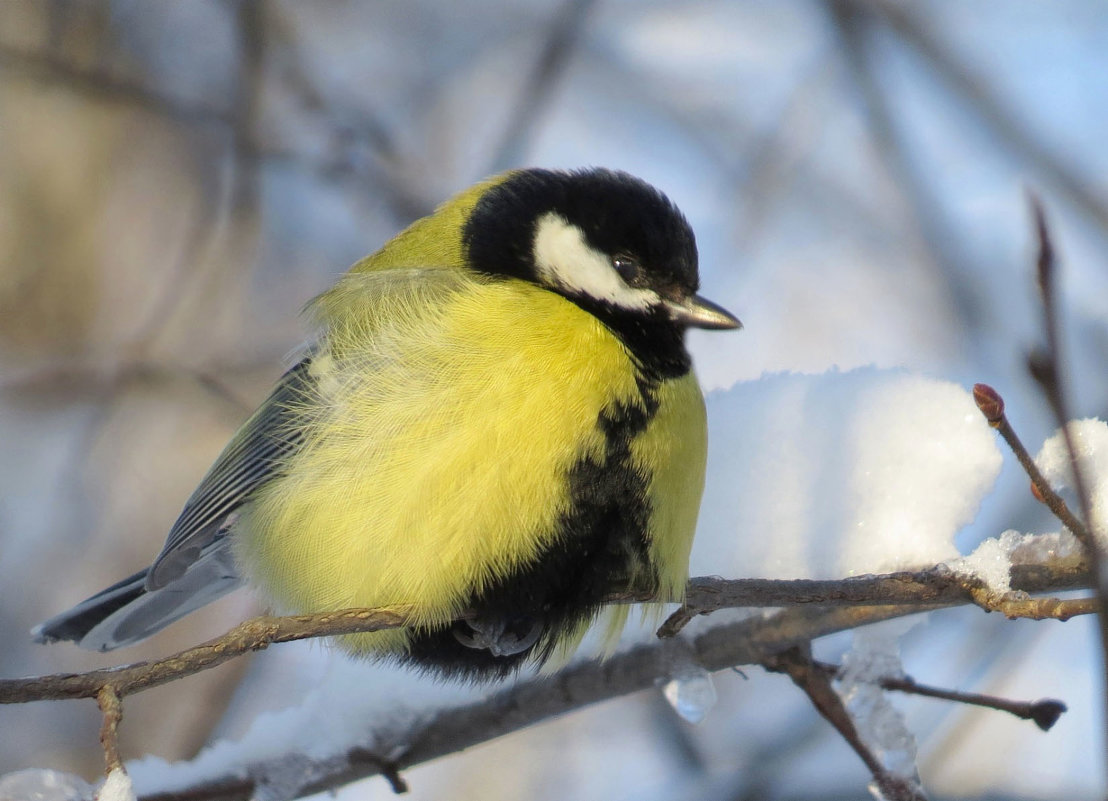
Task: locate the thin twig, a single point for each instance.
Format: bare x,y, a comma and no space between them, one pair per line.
1015,605
1044,712
810,677
1048,369
111,708
991,404
253,635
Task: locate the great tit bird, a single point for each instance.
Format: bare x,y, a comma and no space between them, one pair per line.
497,416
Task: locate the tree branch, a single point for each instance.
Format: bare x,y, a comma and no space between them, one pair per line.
747,642
938,585
112,711
253,635
925,589
1015,605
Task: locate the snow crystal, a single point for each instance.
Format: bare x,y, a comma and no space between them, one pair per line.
992,560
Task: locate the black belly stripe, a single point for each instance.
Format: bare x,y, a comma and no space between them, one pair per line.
602,540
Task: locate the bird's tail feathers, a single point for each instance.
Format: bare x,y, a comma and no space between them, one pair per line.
127,612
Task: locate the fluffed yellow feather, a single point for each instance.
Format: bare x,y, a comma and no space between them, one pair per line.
432,480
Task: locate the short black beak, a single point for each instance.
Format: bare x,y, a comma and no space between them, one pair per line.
698,312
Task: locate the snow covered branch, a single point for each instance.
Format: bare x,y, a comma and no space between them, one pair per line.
751,641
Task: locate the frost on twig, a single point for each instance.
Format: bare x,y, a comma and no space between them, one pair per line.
797,664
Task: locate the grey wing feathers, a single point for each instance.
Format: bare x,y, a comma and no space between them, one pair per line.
197,564
251,459
126,612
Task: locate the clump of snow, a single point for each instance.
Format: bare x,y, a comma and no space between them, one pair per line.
925,458
1037,549
992,560
823,476
43,785
875,655
117,787
351,701
285,780
1090,440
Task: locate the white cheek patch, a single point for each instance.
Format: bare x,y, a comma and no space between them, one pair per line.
565,260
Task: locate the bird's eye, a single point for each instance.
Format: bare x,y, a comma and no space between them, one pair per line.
628,268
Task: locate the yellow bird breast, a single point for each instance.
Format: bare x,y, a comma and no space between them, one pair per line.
442,426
